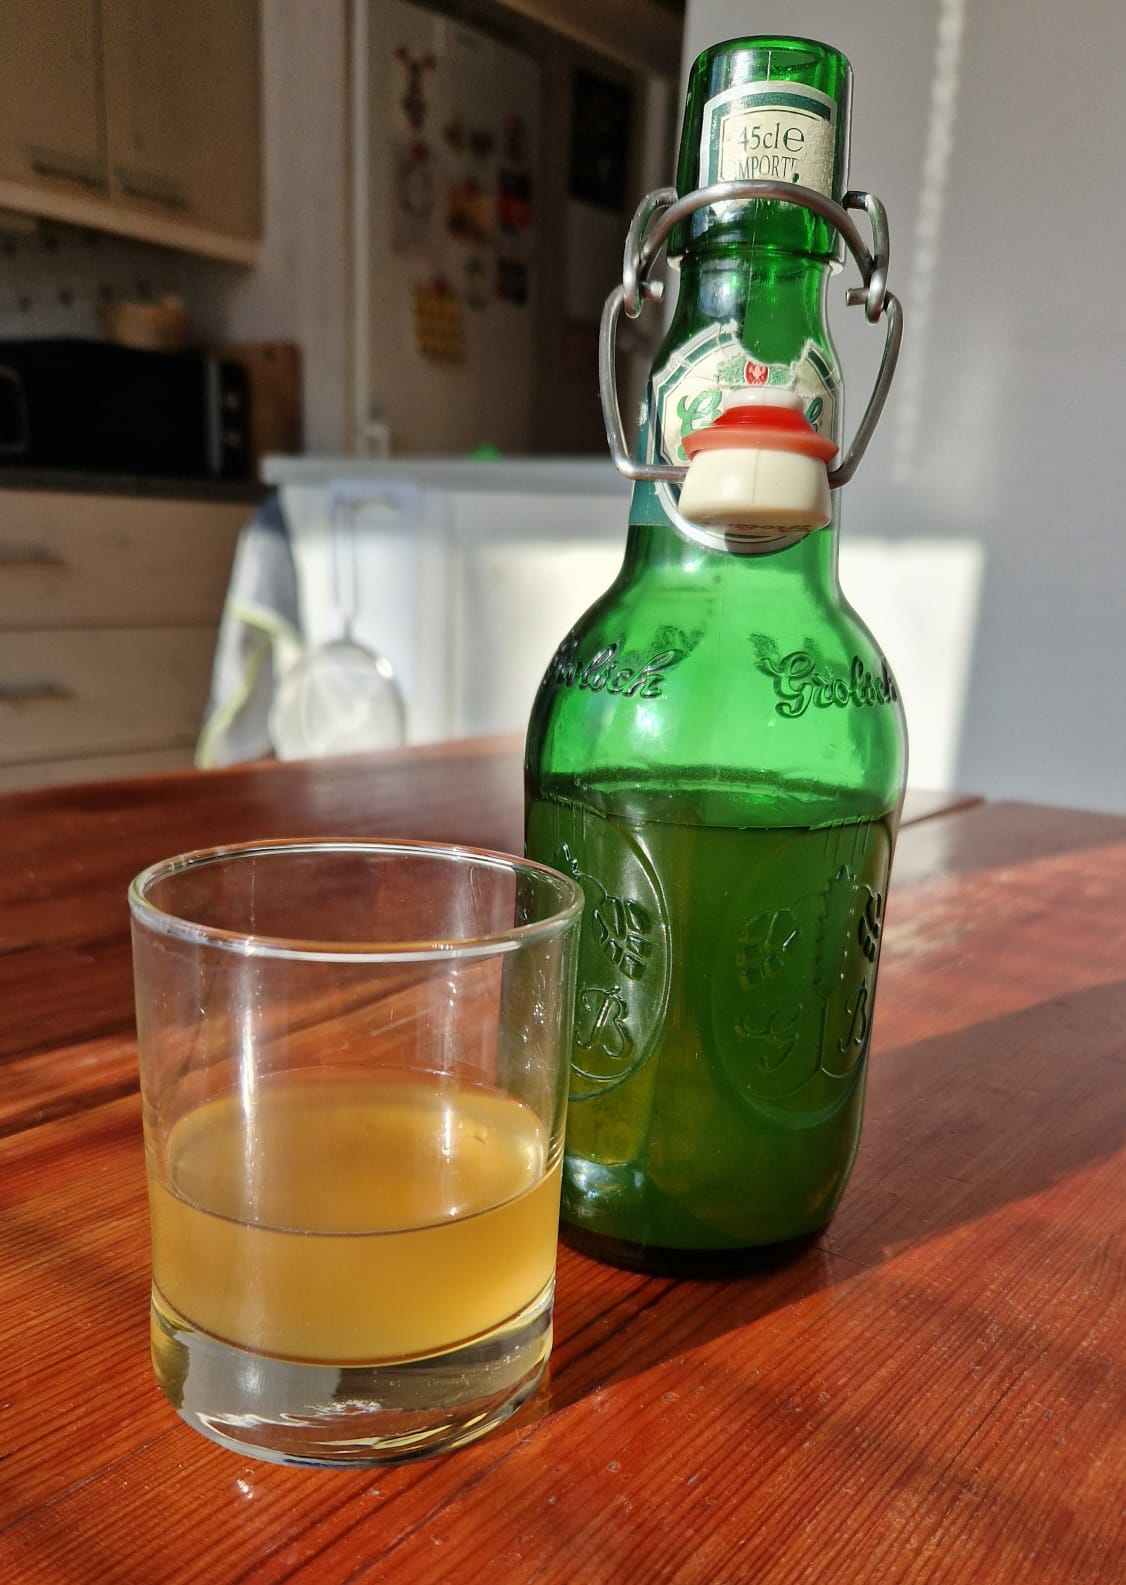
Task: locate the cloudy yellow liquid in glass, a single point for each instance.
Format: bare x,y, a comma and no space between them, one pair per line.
354,1220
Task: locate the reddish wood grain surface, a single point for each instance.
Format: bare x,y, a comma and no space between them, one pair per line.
935,1393
67,856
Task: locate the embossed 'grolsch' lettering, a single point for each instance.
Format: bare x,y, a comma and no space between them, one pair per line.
603,672
799,684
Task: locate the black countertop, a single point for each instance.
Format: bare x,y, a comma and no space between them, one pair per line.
221,490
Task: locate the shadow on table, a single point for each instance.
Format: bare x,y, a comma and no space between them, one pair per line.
960,1127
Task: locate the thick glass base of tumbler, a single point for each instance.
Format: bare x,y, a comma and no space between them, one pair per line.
704,1264
355,1415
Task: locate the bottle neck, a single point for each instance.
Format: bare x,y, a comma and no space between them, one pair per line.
776,300
746,317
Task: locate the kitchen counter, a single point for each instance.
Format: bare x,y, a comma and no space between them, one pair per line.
63,480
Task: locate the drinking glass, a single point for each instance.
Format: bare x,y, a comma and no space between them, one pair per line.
353,1061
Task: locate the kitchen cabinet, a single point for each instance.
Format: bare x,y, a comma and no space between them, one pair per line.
51,121
135,116
112,690
182,110
464,576
109,610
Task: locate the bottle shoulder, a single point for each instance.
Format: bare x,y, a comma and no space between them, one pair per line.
716,614
689,683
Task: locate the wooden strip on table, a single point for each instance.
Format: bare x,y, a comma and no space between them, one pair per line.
67,856
68,853
936,1391
921,804
46,1084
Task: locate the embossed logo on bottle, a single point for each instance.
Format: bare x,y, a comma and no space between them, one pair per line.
800,682
847,1037
615,670
623,975
793,1001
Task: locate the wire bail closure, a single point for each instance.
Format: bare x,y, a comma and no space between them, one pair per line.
653,222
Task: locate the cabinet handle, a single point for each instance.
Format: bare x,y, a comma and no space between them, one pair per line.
29,556
152,188
67,168
17,693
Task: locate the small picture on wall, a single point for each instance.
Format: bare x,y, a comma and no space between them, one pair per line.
438,329
601,115
514,178
512,281
413,196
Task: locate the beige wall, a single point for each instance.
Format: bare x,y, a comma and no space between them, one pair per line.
301,288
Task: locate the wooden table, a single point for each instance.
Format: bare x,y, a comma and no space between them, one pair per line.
935,1392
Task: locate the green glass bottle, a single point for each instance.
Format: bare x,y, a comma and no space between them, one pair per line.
718,753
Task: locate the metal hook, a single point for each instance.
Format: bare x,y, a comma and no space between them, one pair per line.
654,220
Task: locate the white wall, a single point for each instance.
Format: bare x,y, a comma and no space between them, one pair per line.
301,288
995,134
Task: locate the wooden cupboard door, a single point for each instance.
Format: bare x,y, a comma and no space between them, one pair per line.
113,561
72,692
182,85
51,124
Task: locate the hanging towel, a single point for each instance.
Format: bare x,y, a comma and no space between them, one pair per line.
259,637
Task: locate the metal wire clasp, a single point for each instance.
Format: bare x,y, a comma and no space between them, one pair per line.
656,216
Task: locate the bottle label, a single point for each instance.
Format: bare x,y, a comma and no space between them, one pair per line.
778,131
691,390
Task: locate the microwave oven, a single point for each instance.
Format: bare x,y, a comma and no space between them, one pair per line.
94,407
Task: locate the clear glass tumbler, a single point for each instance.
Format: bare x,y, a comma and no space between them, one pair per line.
353,1066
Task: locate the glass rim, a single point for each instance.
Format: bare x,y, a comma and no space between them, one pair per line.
163,922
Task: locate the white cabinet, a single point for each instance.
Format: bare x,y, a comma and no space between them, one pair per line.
464,576
109,608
